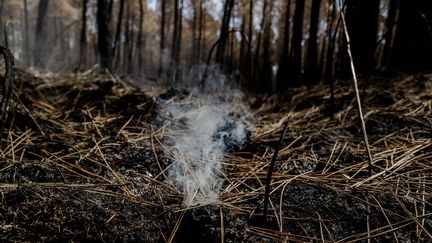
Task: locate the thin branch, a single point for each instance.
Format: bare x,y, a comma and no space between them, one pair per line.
270,170
363,126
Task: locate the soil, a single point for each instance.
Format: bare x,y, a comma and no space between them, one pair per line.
82,160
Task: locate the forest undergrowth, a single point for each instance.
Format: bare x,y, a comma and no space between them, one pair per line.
83,157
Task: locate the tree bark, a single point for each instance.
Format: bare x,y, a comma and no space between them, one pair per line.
26,35
249,46
103,34
140,41
412,50
83,37
296,60
39,49
176,43
282,74
162,38
363,35
266,70
390,24
118,30
200,31
312,58
220,51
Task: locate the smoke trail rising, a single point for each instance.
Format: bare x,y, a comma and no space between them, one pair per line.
204,129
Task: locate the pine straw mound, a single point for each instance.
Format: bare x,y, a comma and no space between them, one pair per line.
81,159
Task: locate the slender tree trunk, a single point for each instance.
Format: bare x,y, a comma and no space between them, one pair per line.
332,38
312,57
220,51
140,41
103,34
296,59
283,61
26,35
249,46
266,72
412,48
1,20
392,16
363,35
200,31
256,60
203,53
162,38
192,57
118,31
39,49
83,37
176,43
128,43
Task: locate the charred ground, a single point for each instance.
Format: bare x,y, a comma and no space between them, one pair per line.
82,159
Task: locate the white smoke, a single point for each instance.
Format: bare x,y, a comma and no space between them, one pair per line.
204,128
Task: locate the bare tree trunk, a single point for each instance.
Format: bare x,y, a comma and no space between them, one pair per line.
256,68
363,35
83,38
1,20
390,24
220,51
200,31
162,39
26,35
39,48
412,48
311,67
296,59
192,58
128,43
282,75
176,43
266,65
140,41
249,47
118,32
103,34
330,56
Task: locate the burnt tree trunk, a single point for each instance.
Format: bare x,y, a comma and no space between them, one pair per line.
331,44
282,75
220,51
1,22
256,61
83,37
296,57
266,66
311,65
412,50
176,42
390,24
103,34
140,40
192,58
200,31
39,48
363,36
249,46
118,32
26,35
162,38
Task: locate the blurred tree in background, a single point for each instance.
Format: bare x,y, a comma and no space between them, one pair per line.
277,43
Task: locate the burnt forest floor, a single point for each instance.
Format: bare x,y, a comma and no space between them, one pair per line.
82,158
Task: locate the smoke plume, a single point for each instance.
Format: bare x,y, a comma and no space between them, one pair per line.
204,128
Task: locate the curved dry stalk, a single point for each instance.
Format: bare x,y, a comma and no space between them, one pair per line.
357,95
